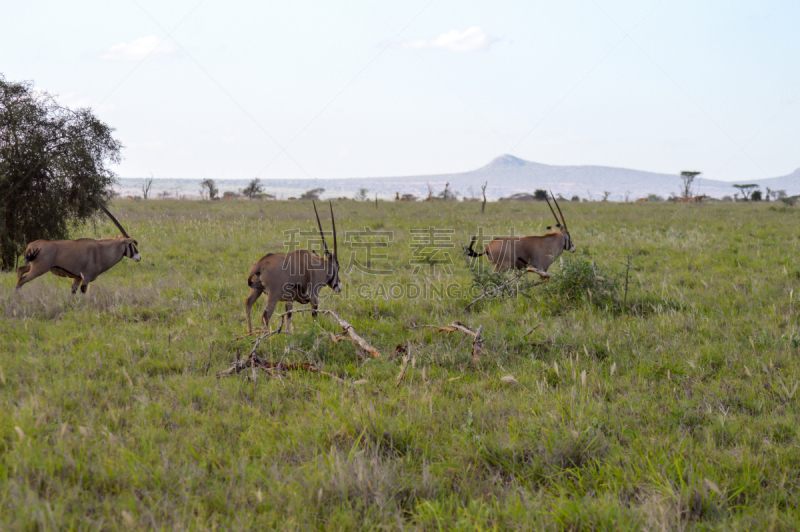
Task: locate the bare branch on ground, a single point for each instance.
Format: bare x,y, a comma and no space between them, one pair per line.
477,339
544,275
347,329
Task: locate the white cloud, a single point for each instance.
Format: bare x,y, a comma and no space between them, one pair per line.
470,40
139,49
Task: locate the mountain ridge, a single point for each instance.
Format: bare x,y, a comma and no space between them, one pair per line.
505,175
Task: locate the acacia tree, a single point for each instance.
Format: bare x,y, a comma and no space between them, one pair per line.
208,186
253,189
312,194
688,178
52,161
746,190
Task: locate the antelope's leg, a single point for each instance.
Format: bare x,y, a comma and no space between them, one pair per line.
32,273
314,305
22,270
288,317
248,304
76,282
272,302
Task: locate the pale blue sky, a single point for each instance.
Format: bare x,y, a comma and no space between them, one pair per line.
368,88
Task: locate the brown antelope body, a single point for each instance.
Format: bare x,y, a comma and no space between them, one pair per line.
81,260
298,276
528,251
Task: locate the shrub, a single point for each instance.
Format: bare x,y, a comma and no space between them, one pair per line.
581,279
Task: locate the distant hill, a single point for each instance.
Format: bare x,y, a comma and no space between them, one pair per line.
506,175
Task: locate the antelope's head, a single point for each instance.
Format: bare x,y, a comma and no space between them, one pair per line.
129,245
130,249
561,225
331,259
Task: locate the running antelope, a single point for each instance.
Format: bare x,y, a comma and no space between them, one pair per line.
528,251
81,260
297,276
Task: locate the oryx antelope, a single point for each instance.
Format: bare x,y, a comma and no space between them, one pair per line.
82,260
535,251
297,276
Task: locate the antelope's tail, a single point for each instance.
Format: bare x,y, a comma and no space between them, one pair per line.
31,253
254,281
471,252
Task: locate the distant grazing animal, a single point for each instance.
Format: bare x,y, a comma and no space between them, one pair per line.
297,276
692,199
81,260
528,251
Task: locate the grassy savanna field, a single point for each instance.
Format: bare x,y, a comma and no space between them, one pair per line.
674,409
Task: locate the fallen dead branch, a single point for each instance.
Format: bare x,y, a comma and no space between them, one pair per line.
529,332
347,329
477,339
254,362
273,368
544,275
453,327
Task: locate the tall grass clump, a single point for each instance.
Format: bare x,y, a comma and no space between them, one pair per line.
582,280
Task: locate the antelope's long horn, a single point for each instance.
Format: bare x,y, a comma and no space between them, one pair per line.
319,224
551,209
335,245
124,233
559,211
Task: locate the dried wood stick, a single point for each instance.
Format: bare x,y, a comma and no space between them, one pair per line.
453,327
463,328
441,329
346,325
540,273
477,345
544,275
529,332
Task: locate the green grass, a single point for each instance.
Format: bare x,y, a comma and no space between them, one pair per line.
675,410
